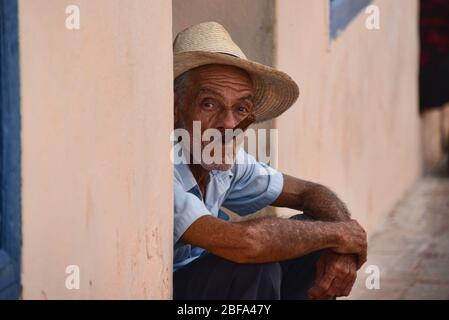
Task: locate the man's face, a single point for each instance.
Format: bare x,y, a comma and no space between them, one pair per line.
218,96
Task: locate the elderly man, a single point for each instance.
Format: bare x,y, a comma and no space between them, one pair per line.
310,256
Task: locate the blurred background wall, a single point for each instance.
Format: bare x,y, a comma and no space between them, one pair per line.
356,125
96,118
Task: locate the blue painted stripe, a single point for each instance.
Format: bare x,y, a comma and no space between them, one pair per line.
342,12
10,152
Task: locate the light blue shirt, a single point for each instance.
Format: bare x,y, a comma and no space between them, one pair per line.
245,188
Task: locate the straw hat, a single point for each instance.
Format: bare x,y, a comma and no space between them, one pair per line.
210,43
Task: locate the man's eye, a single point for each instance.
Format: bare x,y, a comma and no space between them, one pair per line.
242,109
208,105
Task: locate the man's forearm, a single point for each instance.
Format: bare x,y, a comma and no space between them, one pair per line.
314,199
273,239
322,204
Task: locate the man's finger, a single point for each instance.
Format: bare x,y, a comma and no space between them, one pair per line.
345,286
361,259
340,282
318,293
350,284
319,270
344,272
322,284
319,273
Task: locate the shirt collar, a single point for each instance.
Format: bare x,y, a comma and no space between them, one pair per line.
188,180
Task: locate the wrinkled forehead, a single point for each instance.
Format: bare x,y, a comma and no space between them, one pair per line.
221,75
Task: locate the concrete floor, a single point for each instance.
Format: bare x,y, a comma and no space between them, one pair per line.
412,248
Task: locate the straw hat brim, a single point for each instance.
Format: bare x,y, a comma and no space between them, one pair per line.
274,90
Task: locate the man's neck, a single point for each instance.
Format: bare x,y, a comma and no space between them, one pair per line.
201,176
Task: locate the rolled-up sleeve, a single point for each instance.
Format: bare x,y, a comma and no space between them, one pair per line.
256,185
187,209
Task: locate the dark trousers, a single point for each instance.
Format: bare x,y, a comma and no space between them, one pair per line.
212,277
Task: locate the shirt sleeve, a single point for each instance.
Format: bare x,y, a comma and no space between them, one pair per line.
187,209
255,186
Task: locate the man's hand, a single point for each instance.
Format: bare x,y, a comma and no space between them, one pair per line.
335,275
353,240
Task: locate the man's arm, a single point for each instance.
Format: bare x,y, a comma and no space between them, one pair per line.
273,239
316,200
336,273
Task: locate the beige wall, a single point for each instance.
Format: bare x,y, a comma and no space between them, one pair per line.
250,22
435,136
355,127
432,138
96,110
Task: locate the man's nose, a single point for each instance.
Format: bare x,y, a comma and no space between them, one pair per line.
228,120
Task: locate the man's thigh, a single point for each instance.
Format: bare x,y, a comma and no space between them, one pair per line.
212,277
